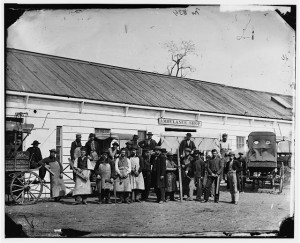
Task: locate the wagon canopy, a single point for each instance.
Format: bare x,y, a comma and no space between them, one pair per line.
262,147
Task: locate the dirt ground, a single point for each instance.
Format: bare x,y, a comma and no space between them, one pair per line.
258,210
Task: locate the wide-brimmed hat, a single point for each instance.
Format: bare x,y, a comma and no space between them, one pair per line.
115,143
53,150
150,133
231,154
188,134
78,134
35,142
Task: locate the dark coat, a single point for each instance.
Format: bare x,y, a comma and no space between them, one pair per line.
35,156
146,164
74,145
184,145
158,170
215,165
145,144
89,149
238,168
199,168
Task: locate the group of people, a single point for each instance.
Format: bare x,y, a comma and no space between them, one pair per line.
130,172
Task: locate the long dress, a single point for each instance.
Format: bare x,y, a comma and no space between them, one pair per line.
136,182
83,187
123,168
58,188
171,177
105,172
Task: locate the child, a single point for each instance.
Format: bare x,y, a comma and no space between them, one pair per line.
82,167
104,171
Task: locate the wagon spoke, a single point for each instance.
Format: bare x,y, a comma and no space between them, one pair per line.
31,194
19,195
17,185
28,179
20,180
17,190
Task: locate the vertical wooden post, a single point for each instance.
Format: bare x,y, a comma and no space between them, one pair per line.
179,172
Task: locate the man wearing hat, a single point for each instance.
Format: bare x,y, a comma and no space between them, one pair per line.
104,171
199,171
186,143
128,148
82,185
35,156
188,184
243,172
171,168
233,168
92,148
113,151
145,161
224,149
214,169
57,185
148,143
159,174
75,150
135,143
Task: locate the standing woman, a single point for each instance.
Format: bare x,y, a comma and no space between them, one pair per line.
171,177
82,183
58,189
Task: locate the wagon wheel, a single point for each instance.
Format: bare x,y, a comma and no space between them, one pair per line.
26,187
281,173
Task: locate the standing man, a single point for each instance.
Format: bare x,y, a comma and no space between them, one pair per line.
159,174
57,185
224,149
148,143
113,151
214,169
186,143
199,168
233,168
75,150
35,156
146,173
243,172
136,175
92,148
188,183
171,177
123,169
135,143
128,148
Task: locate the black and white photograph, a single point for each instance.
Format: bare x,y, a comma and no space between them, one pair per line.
149,120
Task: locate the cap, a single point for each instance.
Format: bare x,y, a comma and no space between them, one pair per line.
169,154
196,152
53,150
224,135
35,142
129,142
83,148
188,134
92,135
78,134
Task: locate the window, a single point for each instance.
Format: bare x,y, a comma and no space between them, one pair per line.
240,142
59,143
142,135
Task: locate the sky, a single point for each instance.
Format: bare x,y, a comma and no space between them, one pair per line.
225,51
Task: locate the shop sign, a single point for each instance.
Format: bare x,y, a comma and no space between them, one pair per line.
178,122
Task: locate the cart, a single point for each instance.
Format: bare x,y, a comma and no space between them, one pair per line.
262,162
22,184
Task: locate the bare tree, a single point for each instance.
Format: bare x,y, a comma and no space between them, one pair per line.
179,52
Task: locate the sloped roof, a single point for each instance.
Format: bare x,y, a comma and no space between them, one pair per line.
52,75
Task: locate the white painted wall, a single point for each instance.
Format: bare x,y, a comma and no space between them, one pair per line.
67,114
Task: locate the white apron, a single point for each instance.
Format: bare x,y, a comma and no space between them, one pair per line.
83,187
136,182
